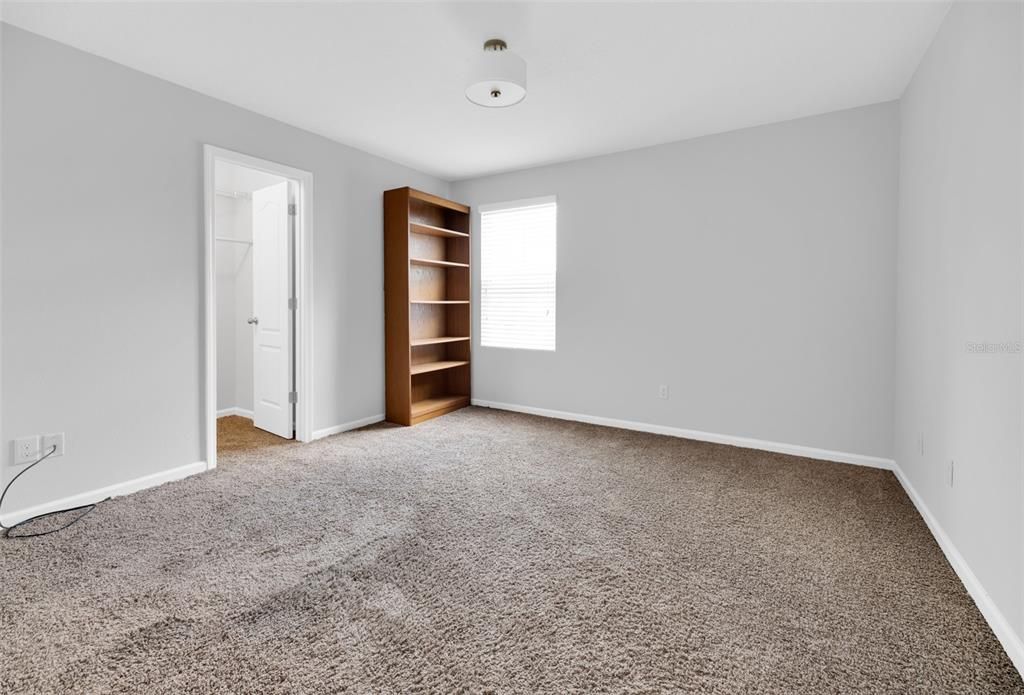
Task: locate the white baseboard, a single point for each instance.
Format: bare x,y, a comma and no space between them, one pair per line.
240,412
116,490
743,442
1004,632
346,426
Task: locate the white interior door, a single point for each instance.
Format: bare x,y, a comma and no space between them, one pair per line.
272,282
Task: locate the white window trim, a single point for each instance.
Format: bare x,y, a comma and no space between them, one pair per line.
511,205
523,203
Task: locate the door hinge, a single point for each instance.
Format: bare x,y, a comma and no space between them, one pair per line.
291,209
293,397
293,303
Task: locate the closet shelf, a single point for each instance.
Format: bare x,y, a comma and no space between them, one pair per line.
437,264
424,367
420,228
417,342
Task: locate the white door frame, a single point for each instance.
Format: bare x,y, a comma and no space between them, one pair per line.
303,287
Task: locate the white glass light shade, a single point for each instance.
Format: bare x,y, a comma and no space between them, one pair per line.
498,79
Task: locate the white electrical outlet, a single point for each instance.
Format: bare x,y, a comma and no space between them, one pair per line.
26,450
50,441
663,392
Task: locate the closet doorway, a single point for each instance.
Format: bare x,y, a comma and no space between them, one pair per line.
257,242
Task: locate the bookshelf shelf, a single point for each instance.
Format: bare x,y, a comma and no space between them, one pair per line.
419,342
439,301
424,367
417,228
427,408
436,263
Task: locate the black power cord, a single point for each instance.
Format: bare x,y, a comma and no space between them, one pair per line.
7,529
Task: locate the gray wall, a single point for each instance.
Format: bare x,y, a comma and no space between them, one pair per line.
102,263
959,270
753,272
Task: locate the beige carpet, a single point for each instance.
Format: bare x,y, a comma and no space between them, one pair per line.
488,551
236,435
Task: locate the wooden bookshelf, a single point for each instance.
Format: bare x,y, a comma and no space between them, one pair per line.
426,306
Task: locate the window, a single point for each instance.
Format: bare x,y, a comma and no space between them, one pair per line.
517,274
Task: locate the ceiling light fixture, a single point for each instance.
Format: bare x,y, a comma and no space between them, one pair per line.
498,78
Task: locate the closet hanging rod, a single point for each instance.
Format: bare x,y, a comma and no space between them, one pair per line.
234,241
234,194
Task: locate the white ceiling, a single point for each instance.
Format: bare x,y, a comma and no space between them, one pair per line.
388,78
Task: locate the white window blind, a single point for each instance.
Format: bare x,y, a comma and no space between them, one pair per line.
517,274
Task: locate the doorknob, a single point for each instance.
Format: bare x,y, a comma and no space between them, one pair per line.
252,320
